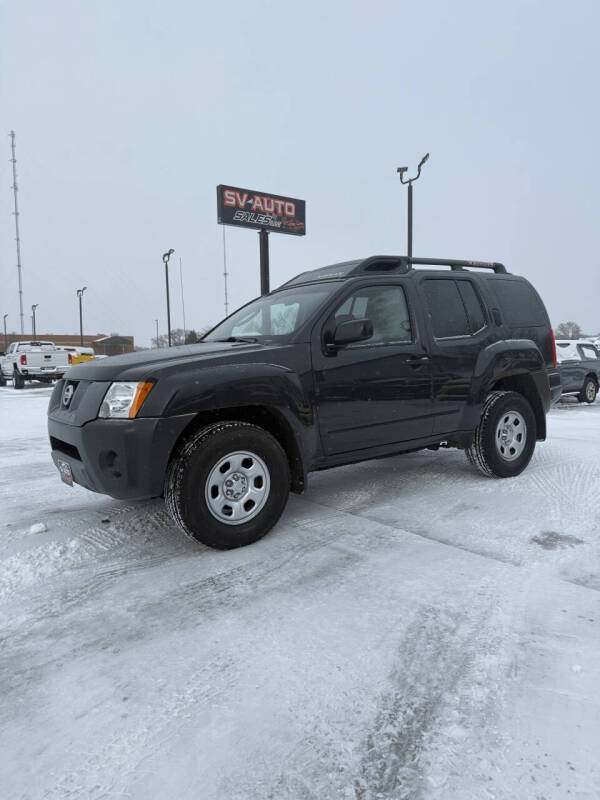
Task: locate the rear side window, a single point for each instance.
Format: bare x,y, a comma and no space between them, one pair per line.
588,351
567,351
454,307
520,303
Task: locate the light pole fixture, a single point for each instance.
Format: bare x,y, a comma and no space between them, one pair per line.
409,182
33,308
5,334
80,296
165,258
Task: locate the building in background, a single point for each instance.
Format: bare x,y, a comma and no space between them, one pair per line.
103,345
113,345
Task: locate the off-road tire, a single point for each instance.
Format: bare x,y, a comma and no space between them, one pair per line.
18,380
483,452
191,466
589,391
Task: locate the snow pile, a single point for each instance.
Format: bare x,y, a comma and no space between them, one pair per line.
33,566
38,527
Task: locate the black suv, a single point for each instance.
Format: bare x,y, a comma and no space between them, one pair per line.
354,361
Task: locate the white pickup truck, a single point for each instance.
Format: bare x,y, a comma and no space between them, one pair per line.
33,361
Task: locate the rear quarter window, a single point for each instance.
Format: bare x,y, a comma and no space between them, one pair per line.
520,304
588,351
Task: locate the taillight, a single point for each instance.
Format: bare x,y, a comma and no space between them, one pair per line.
24,358
70,358
553,346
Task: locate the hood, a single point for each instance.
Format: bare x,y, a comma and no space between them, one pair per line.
145,364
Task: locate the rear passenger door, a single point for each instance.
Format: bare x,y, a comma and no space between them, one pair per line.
459,328
572,370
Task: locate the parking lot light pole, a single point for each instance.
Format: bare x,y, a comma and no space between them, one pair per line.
156,331
402,170
33,308
165,258
80,296
5,334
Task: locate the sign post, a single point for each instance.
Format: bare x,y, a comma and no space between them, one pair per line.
267,213
264,261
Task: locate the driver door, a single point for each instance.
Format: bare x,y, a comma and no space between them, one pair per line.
375,392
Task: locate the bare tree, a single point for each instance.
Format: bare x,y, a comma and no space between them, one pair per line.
568,330
179,336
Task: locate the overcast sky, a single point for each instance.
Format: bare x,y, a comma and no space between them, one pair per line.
128,113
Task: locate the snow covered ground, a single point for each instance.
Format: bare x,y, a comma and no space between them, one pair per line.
409,630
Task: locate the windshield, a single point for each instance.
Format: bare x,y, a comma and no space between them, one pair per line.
274,317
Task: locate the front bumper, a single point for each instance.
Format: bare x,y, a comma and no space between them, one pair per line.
46,372
125,459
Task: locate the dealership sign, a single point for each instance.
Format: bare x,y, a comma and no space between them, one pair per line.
261,211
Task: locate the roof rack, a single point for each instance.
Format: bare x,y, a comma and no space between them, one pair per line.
405,264
459,264
382,264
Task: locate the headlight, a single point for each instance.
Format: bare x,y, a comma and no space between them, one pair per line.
123,400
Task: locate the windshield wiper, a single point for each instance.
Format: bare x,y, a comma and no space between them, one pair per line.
248,339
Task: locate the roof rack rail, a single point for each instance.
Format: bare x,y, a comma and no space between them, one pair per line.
404,264
458,264
383,264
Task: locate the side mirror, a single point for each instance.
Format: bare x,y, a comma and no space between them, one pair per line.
354,330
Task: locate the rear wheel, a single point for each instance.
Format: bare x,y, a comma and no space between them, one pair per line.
18,380
228,484
505,438
589,391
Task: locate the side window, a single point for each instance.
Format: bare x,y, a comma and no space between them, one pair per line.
520,303
567,351
385,306
473,305
588,351
446,308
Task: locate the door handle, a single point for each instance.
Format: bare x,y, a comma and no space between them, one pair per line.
416,361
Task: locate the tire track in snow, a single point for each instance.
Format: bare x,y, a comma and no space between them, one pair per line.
202,597
444,691
20,571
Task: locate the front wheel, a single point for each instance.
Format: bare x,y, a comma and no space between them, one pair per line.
589,391
504,440
228,484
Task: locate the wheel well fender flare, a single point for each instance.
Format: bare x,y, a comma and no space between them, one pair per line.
268,418
524,384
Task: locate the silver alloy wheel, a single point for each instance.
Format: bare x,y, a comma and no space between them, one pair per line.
237,488
590,391
511,435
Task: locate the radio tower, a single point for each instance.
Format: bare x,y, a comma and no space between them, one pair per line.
18,238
